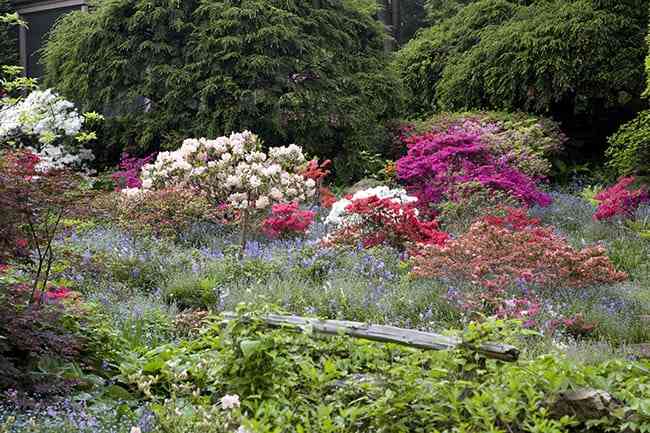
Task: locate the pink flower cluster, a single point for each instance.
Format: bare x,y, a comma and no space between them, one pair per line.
287,220
439,167
620,200
129,174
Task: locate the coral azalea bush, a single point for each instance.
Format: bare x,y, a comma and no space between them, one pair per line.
439,167
504,251
620,200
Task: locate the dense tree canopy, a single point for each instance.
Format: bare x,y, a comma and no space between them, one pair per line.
291,70
8,38
582,54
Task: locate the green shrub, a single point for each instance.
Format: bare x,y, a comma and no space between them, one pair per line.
629,147
287,70
9,54
584,55
209,288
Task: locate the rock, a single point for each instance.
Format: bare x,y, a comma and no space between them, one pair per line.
640,351
584,404
365,183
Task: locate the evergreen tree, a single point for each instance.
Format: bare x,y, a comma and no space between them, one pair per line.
285,69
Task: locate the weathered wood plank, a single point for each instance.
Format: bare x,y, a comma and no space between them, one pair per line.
386,334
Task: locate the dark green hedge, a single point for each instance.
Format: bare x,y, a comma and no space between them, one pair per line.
282,68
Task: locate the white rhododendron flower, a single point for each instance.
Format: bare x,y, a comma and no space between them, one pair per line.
233,170
339,216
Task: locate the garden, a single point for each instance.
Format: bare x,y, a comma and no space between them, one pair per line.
258,216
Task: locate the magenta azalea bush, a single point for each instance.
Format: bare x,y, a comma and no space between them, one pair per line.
525,142
620,200
129,175
445,166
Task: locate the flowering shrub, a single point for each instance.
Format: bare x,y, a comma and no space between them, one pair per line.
129,174
378,216
340,216
526,142
383,221
439,167
233,170
287,220
49,126
167,213
620,200
503,251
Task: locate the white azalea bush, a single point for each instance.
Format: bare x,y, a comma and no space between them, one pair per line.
50,127
234,171
339,217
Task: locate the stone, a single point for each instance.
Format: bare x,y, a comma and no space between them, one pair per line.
641,351
584,404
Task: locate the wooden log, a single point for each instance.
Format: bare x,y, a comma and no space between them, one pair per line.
386,334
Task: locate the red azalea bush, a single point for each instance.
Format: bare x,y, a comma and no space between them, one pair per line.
380,221
500,252
439,166
129,174
287,220
620,200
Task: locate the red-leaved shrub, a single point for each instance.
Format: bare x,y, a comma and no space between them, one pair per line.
501,252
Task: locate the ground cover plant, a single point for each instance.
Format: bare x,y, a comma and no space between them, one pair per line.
137,298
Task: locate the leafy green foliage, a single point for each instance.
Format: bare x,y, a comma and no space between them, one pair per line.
298,382
9,54
586,55
284,69
629,147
